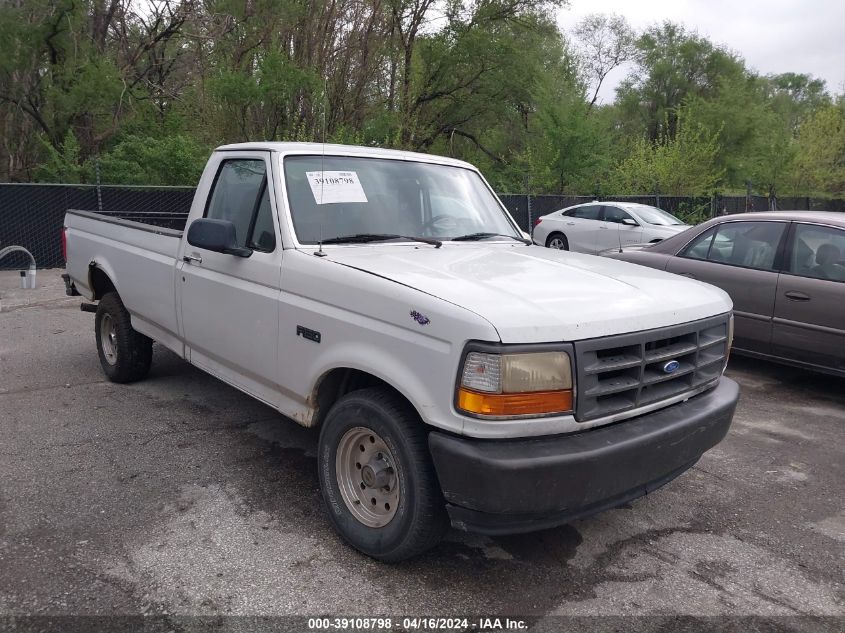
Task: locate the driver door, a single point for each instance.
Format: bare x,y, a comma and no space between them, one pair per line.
741,258
230,304
619,229
581,226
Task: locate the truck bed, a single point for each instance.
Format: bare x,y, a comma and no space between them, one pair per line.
155,219
139,254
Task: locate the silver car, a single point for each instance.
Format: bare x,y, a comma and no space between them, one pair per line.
597,226
785,272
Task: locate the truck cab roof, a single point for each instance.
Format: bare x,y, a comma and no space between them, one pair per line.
341,150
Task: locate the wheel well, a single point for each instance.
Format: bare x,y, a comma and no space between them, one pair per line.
337,383
553,234
100,282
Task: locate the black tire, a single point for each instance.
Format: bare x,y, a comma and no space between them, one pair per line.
420,520
129,354
558,236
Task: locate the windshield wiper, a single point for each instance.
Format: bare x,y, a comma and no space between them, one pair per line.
363,238
472,237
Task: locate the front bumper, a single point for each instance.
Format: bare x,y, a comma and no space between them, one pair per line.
508,486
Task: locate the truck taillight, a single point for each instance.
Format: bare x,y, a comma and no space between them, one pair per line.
64,244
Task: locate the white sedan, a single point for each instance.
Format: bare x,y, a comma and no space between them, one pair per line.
597,226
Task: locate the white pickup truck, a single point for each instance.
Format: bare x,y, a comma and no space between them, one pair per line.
455,371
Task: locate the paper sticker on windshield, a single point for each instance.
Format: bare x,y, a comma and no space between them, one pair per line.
335,186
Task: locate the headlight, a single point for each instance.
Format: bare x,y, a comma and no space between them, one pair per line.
518,384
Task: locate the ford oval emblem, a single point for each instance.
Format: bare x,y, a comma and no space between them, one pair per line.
671,367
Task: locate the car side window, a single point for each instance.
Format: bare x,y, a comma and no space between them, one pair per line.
240,195
589,212
700,246
747,244
818,252
616,215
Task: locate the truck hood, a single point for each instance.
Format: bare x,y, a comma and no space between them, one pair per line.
533,294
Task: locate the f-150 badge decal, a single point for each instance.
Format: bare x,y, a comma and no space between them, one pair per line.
420,318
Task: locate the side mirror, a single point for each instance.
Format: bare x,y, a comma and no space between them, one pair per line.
216,235
629,222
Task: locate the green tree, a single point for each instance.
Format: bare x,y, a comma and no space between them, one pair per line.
141,160
820,153
671,66
681,165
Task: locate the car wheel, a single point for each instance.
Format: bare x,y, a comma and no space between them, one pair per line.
377,478
125,355
558,241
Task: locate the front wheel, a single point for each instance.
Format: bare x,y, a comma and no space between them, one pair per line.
558,241
377,478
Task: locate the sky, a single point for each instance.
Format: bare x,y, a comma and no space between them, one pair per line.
773,36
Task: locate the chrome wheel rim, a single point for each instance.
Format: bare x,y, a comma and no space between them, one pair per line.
557,243
367,477
108,339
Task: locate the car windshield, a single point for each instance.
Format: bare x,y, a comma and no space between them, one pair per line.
337,196
653,215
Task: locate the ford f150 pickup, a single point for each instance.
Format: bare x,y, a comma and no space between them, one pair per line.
456,372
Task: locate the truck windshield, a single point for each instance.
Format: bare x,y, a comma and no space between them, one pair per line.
337,196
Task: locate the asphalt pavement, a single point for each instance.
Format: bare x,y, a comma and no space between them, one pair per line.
180,496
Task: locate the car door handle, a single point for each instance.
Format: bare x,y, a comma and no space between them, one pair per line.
191,259
794,295
603,227
690,275
570,223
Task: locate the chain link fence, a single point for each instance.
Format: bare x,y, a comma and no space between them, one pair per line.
32,215
691,209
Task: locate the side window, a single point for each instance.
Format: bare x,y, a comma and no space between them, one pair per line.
589,212
700,246
747,244
240,195
615,214
818,252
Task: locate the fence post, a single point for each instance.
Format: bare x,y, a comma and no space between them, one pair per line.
99,193
530,219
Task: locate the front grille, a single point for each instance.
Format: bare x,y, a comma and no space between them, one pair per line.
624,372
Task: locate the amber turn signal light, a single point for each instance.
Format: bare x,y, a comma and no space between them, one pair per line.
508,404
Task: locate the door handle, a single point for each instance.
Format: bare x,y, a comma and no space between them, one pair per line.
570,223
794,295
690,275
603,227
192,259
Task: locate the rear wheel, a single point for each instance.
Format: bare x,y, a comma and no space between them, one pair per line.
377,478
125,355
558,241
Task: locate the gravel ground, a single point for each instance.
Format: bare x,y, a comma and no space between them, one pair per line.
180,496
